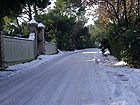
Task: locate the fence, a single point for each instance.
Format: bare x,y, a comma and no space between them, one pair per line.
17,50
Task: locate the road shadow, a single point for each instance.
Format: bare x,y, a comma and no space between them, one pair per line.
7,70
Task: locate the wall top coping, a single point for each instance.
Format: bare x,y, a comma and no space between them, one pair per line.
18,38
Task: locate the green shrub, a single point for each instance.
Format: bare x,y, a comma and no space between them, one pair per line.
125,43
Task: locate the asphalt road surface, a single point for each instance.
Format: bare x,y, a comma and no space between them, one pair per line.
68,80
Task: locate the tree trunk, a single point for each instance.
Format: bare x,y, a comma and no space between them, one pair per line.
29,11
35,10
125,12
20,30
115,11
138,8
118,10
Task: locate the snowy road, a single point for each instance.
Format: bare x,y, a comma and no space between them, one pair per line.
74,79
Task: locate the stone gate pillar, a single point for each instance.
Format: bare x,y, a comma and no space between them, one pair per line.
33,35
41,39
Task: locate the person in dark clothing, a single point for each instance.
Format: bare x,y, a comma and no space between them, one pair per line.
104,45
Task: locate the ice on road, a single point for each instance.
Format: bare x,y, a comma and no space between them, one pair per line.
76,79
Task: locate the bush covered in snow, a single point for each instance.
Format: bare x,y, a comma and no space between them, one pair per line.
125,43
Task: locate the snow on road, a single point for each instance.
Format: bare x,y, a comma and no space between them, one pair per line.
122,80
19,68
83,78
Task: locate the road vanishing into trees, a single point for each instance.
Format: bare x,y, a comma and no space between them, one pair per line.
71,79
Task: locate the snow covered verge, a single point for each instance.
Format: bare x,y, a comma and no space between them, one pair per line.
123,81
18,68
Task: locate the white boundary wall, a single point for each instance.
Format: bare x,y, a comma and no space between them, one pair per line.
18,50
50,48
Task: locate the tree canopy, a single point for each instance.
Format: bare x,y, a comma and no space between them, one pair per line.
65,26
116,11
118,21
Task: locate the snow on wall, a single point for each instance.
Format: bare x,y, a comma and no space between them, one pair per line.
31,36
